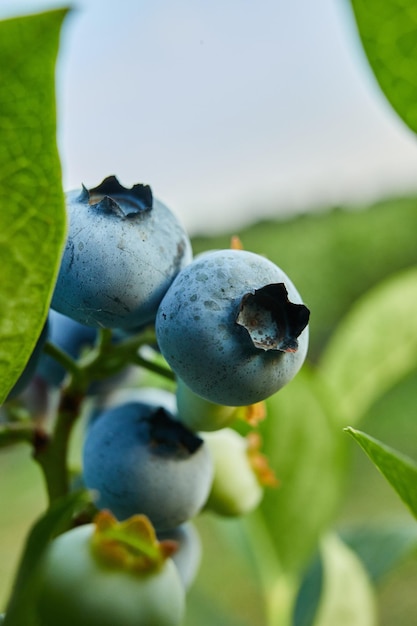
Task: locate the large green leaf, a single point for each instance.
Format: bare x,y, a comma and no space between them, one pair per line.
347,598
380,548
388,31
309,594
336,589
398,469
32,214
374,347
307,452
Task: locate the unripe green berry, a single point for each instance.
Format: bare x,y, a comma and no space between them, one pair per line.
120,578
200,414
237,484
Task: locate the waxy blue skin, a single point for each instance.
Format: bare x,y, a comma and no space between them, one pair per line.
121,255
198,335
134,472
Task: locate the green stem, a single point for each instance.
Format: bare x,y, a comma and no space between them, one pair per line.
109,358
12,433
61,357
153,367
52,454
104,338
279,600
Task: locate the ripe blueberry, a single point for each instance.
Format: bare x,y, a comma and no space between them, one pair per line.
233,327
123,250
141,460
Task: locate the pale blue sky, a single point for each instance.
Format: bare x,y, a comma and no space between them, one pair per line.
231,110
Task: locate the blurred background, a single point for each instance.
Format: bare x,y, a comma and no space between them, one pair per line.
230,110
261,119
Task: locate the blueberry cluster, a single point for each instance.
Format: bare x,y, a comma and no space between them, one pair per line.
233,330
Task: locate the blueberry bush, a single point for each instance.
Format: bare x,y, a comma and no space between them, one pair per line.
195,458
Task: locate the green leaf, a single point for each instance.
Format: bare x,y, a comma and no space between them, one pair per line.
309,594
19,611
381,547
399,470
374,347
32,213
388,32
347,597
305,448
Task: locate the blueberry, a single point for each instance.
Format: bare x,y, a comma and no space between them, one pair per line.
123,250
233,327
141,460
86,579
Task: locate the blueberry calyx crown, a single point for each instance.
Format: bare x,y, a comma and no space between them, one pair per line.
272,321
169,436
111,197
130,545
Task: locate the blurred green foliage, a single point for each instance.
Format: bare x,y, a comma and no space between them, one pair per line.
333,256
